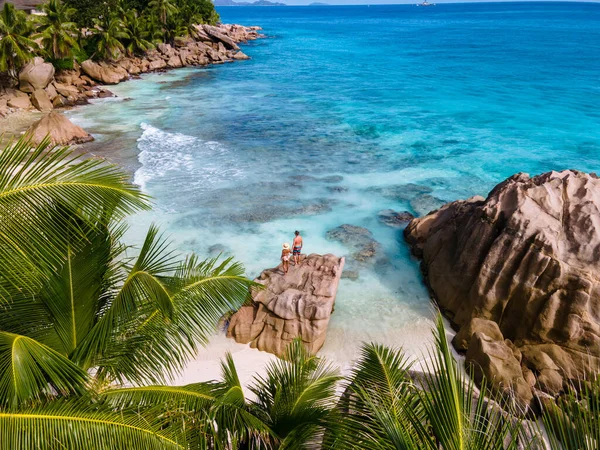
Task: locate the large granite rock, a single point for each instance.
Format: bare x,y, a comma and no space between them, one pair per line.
41,100
60,129
104,72
298,304
218,34
18,99
528,259
36,74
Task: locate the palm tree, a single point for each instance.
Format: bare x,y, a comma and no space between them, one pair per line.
384,407
164,9
110,32
294,405
100,317
296,398
573,421
139,40
16,47
41,190
56,30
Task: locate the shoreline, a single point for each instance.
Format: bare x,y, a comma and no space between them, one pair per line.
67,89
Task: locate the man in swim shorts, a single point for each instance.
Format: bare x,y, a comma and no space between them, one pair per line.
297,247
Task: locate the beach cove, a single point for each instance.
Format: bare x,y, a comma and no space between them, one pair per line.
333,121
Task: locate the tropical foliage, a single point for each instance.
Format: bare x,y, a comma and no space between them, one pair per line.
16,46
83,312
79,29
56,30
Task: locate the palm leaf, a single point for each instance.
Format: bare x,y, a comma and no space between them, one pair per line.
466,422
573,421
41,190
31,371
153,343
83,424
378,404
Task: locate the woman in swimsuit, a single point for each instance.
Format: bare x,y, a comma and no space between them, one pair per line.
285,257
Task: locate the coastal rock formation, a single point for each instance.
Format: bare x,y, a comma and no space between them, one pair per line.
216,33
36,74
360,240
60,129
528,259
78,85
18,99
394,219
40,99
298,304
104,72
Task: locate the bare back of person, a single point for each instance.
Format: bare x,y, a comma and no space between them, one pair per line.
297,247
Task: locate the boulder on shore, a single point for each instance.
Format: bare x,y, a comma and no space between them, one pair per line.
60,129
41,101
218,35
18,99
36,74
298,304
527,258
104,72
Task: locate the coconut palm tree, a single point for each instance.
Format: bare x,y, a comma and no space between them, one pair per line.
384,407
164,9
573,421
41,190
139,37
101,317
296,398
110,32
16,46
57,31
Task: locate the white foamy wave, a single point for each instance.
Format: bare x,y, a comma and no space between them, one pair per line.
181,161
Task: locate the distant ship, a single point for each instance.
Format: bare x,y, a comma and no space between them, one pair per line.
425,3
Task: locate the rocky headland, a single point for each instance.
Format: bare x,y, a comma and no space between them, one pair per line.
518,274
42,88
296,305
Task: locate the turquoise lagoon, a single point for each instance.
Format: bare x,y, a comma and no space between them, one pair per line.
346,111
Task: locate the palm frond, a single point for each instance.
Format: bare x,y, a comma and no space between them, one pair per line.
379,404
573,421
83,424
152,344
41,190
31,371
471,418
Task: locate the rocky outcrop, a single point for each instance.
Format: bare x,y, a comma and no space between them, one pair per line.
60,129
298,304
360,240
41,100
78,85
18,100
103,72
36,74
528,259
219,36
394,219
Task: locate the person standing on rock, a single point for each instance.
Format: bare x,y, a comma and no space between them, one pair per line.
285,257
297,247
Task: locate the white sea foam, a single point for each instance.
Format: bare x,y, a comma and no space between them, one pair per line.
177,160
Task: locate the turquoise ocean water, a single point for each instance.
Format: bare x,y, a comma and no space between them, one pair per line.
346,111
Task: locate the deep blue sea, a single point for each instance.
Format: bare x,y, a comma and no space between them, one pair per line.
346,111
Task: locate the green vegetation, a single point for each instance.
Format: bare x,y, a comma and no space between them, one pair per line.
16,46
77,29
91,331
